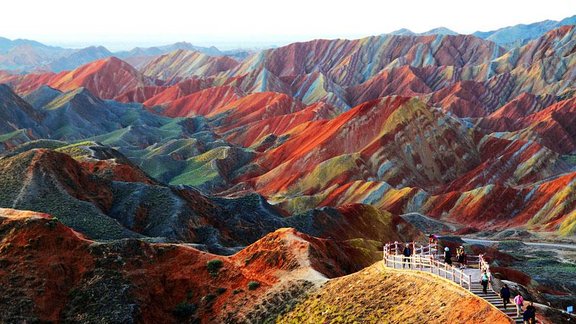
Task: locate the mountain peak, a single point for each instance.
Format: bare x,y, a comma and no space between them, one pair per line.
106,63
105,78
402,32
96,48
440,31
77,95
434,31
183,44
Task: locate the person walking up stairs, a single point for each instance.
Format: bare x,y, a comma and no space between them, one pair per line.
495,300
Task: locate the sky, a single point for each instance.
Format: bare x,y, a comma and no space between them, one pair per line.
123,24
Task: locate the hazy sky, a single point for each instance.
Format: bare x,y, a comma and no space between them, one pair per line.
122,23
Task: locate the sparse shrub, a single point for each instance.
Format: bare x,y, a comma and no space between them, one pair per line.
52,223
237,291
220,290
4,263
208,299
184,309
189,294
214,266
252,285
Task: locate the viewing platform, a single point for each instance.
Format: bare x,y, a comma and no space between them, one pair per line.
430,258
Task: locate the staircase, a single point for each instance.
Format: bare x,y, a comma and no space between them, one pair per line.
495,300
421,261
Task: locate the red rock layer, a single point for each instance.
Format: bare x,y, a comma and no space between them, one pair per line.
106,78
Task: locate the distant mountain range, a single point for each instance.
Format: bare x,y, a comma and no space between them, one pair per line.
435,31
6,44
28,55
507,37
518,35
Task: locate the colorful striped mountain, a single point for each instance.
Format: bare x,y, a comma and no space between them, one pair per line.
293,162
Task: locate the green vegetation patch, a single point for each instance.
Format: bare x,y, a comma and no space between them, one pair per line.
77,150
114,137
327,171
6,137
184,309
62,100
214,266
253,285
38,144
12,173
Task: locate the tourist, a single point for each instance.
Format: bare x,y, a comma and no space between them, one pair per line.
484,279
505,295
432,243
447,256
518,301
461,257
529,315
407,253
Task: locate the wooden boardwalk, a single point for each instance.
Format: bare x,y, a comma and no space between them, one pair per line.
425,258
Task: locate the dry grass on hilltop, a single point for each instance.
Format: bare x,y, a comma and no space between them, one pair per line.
375,295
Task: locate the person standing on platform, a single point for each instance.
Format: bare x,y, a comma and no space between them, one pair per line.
447,256
407,255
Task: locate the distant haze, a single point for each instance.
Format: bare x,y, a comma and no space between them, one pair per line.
255,23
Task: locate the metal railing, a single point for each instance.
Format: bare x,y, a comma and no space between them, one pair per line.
425,259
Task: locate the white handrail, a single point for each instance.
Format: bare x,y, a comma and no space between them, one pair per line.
424,260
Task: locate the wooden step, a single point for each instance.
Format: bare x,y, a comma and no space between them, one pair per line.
496,300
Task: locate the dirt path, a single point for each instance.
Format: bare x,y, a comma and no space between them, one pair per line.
533,244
